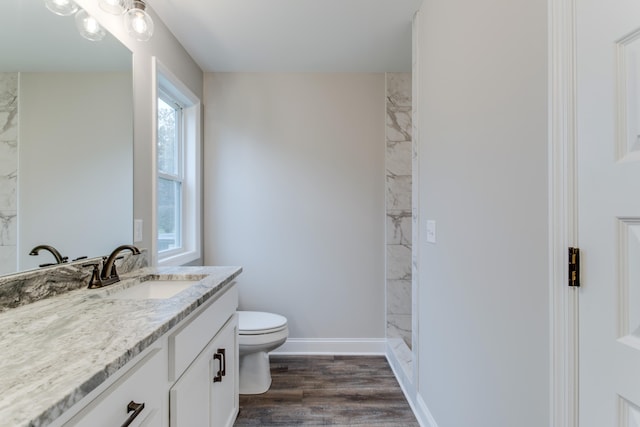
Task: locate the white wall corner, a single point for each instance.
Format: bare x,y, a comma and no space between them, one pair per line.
336,346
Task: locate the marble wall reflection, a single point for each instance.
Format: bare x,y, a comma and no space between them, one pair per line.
34,285
8,171
398,205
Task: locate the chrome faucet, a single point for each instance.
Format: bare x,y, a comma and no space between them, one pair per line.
109,274
59,258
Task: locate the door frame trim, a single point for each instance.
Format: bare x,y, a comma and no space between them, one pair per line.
562,212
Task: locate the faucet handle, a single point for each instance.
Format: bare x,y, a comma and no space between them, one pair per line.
114,271
92,264
95,281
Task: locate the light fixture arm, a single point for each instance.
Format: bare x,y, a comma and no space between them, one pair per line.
114,7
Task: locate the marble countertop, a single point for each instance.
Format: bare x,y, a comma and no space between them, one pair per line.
55,351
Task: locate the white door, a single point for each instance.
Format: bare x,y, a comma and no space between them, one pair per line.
608,144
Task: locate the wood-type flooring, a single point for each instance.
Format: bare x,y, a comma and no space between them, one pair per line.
330,391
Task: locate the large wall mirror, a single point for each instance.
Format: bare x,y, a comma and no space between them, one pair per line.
66,138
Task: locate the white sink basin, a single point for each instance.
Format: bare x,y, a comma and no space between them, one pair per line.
154,289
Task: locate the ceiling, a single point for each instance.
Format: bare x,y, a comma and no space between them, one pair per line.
293,35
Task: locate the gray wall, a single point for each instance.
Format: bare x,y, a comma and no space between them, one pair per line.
294,192
484,309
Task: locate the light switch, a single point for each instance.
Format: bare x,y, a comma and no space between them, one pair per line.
137,230
431,231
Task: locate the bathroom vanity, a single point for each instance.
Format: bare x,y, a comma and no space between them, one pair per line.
158,348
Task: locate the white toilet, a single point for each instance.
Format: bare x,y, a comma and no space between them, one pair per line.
258,334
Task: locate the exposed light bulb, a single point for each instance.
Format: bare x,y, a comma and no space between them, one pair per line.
115,7
62,7
138,22
89,27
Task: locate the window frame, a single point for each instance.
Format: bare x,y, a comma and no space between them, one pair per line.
190,131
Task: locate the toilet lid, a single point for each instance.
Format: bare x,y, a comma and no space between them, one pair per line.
257,322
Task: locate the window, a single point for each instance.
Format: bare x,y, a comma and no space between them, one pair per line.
178,172
170,174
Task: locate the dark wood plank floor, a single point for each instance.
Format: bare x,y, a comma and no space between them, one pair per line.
328,390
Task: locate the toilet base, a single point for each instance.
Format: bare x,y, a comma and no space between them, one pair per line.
255,373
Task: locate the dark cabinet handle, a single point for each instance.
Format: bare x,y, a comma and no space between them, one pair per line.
222,351
136,408
222,371
218,377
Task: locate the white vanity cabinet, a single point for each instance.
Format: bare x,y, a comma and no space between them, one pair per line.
207,393
136,397
203,357
188,377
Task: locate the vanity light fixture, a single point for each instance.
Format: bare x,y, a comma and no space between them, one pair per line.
138,22
89,27
62,7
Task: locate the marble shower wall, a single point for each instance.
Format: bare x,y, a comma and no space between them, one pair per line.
8,170
398,205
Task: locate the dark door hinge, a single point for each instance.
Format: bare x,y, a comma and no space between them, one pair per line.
574,267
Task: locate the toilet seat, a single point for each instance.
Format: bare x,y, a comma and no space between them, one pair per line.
260,323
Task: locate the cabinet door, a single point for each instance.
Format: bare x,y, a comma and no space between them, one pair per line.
141,385
224,398
207,393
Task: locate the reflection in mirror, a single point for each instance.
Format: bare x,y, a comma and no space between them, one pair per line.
66,139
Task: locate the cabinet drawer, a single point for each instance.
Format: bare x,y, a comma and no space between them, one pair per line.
140,384
197,330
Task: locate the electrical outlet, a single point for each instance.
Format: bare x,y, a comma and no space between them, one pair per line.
137,230
431,231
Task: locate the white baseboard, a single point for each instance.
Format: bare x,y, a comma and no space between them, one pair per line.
418,406
343,346
423,414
